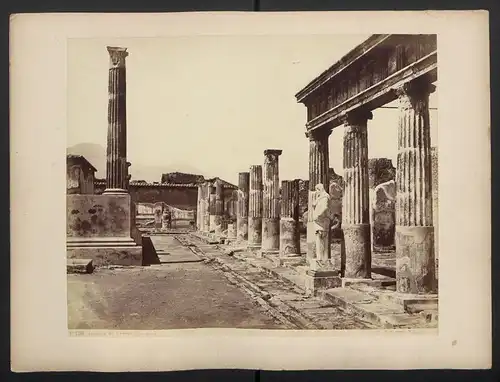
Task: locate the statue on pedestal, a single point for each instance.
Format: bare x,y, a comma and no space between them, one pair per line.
321,218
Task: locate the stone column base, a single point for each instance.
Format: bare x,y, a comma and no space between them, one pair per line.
357,251
254,233
317,280
270,234
242,228
289,237
415,261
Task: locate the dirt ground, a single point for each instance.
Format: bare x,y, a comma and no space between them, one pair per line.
170,296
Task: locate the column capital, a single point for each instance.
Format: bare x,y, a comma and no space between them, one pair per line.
273,152
417,88
356,117
319,134
117,56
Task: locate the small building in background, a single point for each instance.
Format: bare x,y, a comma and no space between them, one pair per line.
80,175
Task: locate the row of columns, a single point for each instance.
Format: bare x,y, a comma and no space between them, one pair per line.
210,206
267,219
415,271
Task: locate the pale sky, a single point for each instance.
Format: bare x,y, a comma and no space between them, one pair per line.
215,103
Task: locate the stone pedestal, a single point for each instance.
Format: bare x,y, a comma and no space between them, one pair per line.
271,205
255,208
356,213
242,207
116,152
99,228
318,174
321,275
415,258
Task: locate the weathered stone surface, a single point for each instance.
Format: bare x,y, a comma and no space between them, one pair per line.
107,255
415,270
358,251
289,237
384,214
317,281
231,231
289,223
79,266
271,205
97,216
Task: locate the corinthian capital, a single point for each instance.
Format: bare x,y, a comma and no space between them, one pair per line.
117,56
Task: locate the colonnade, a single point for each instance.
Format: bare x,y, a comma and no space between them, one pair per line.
267,215
415,268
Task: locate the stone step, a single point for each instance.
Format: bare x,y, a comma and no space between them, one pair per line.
382,312
79,266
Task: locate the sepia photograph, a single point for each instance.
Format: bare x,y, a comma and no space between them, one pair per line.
190,210
243,190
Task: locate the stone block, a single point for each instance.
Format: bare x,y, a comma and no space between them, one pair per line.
320,280
79,266
102,255
98,216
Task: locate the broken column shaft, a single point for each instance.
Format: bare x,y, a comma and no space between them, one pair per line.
289,222
255,208
271,202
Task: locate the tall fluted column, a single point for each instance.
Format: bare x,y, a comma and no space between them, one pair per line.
242,208
356,203
211,207
318,174
255,208
199,208
219,206
116,151
206,207
271,202
289,222
415,257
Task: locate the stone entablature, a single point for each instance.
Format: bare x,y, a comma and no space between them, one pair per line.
367,75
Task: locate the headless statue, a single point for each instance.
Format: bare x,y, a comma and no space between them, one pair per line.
321,219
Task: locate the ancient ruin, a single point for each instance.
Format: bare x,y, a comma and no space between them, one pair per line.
369,230
102,227
383,69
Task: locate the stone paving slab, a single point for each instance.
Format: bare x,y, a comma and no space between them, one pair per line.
283,297
379,306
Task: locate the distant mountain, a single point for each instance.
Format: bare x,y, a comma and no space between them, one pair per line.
96,155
